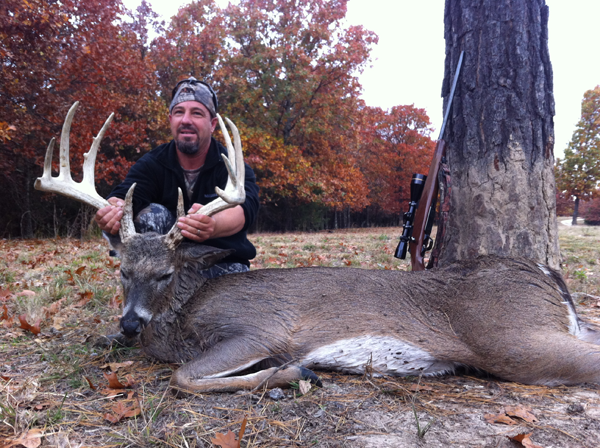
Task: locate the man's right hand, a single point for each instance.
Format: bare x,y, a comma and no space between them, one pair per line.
109,217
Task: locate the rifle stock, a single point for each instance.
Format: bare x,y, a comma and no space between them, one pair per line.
426,210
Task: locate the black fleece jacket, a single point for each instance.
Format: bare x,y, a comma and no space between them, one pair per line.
158,174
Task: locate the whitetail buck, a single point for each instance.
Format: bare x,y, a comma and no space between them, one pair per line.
510,317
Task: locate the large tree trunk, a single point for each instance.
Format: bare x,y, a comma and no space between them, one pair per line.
500,135
575,211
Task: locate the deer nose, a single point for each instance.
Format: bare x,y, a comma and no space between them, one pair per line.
131,326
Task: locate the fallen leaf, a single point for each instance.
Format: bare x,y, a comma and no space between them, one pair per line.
55,307
35,328
115,302
114,366
4,294
113,381
225,440
304,386
57,322
524,439
29,439
43,405
90,383
521,412
228,440
419,387
26,292
4,315
121,410
499,418
86,297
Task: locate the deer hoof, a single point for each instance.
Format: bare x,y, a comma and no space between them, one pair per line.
309,375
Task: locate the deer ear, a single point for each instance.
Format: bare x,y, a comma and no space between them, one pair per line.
205,256
115,242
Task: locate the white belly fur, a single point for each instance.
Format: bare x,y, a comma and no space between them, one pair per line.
384,354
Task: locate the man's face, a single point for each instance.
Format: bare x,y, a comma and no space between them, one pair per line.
191,127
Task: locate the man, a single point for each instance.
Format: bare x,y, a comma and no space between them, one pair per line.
191,161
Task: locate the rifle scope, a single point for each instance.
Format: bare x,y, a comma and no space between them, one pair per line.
417,184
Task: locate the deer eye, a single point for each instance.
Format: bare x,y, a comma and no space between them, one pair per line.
124,275
165,277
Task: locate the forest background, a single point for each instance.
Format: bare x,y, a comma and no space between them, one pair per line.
286,73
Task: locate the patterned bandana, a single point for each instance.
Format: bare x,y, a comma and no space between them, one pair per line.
193,90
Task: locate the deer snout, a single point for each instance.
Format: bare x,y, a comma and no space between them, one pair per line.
132,327
132,323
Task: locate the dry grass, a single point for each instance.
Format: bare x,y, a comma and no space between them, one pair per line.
54,390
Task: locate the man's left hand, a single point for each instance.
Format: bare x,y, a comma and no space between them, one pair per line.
196,227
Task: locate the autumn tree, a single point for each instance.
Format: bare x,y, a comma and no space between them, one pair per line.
394,144
53,54
193,44
291,76
500,136
578,174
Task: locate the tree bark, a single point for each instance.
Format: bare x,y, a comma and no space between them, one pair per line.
575,212
500,134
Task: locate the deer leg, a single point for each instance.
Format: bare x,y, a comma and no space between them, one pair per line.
550,359
223,368
269,378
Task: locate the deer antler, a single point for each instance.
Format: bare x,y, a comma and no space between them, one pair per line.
234,193
63,184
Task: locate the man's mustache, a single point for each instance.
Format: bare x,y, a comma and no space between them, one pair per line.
187,128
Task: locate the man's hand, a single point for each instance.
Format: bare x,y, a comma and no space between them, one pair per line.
196,227
109,217
200,228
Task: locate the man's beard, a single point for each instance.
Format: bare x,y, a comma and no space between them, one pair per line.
188,147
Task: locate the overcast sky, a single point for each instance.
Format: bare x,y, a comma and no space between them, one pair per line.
408,62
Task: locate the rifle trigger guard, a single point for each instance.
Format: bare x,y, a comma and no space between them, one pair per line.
427,245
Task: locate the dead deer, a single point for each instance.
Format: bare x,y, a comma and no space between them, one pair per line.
513,318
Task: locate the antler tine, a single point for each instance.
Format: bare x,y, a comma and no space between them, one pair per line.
64,184
127,228
65,164
174,236
89,158
234,193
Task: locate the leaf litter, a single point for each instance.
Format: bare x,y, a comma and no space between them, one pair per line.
53,389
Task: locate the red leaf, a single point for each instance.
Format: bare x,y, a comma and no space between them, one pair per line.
4,315
90,383
225,440
524,440
86,297
4,294
499,418
229,440
113,381
120,410
35,328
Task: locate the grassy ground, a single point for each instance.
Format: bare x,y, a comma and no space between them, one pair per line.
58,389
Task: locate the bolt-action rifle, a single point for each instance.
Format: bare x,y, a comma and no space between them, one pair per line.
423,199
